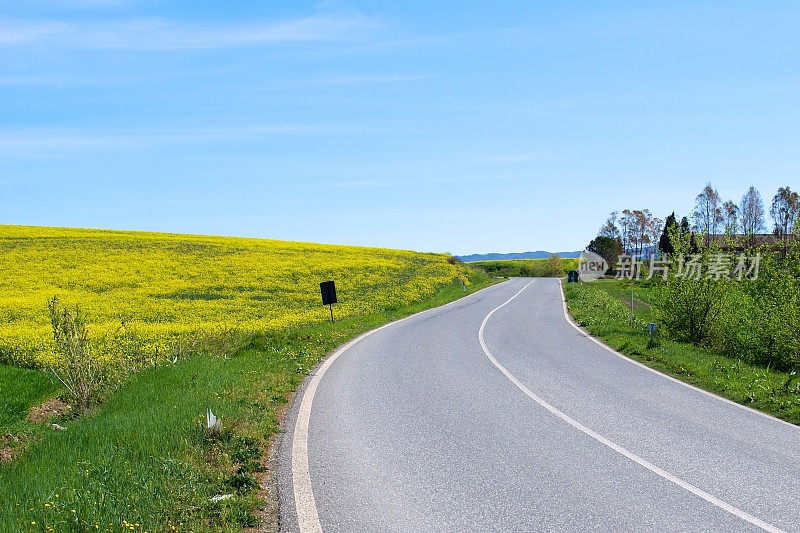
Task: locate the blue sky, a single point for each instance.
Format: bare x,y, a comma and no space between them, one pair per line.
446,126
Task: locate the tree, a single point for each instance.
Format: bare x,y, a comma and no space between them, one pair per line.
554,266
708,210
664,242
643,229
784,211
609,229
636,229
626,223
653,233
685,227
608,248
752,214
730,212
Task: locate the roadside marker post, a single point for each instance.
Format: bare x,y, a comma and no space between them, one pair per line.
652,328
631,306
328,290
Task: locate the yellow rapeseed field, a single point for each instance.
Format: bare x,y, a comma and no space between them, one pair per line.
168,286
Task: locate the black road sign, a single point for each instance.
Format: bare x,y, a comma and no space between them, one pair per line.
328,289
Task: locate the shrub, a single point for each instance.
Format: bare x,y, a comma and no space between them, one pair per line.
75,369
554,266
688,308
87,365
759,319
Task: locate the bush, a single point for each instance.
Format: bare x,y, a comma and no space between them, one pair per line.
756,319
86,365
688,308
75,368
759,319
554,267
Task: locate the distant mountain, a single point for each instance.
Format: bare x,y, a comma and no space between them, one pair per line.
539,254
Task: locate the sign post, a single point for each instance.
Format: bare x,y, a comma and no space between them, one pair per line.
631,306
652,328
328,290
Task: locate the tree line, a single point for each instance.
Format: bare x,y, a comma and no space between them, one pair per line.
637,232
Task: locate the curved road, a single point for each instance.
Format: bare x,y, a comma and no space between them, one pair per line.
495,413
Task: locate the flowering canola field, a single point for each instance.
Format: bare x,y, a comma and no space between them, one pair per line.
168,285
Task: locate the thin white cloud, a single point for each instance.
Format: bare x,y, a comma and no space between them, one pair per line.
509,159
369,78
50,140
392,182
81,4
70,80
29,32
159,34
349,79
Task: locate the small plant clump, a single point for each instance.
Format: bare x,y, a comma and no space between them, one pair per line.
86,366
75,369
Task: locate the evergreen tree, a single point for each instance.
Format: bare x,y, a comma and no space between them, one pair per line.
685,228
665,243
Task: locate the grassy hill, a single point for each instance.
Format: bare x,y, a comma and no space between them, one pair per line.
170,287
141,458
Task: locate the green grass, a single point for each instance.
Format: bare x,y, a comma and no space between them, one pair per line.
522,267
144,457
603,308
21,389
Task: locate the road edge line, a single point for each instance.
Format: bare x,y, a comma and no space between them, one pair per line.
304,502
610,444
608,348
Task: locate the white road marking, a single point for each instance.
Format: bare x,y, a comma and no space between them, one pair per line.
653,370
305,505
307,517
619,449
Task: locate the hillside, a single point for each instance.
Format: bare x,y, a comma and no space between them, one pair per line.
539,254
171,286
226,324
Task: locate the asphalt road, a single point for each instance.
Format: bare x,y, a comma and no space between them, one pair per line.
480,416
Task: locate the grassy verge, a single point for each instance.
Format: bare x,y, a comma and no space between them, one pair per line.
145,462
603,308
21,389
522,268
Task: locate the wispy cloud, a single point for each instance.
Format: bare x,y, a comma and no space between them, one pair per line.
369,78
394,182
160,34
81,4
509,159
349,79
60,140
76,79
